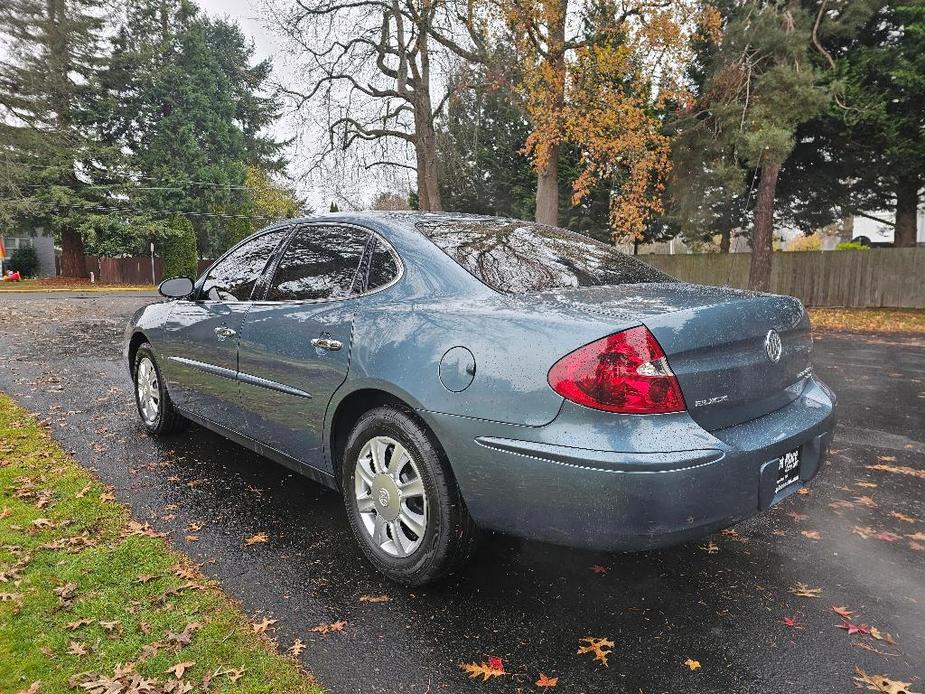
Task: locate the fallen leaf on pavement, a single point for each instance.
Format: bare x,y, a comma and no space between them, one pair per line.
295,650
331,628
692,664
710,548
483,670
881,683
898,470
261,627
792,622
598,569
842,612
918,537
805,591
903,517
254,539
887,537
882,636
600,647
374,598
178,669
852,628
547,682
811,534
797,516
865,501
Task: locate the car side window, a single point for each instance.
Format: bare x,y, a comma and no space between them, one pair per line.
383,266
320,263
234,277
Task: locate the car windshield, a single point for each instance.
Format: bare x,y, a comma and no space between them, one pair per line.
515,257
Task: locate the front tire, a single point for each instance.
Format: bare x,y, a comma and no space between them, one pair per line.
404,507
157,412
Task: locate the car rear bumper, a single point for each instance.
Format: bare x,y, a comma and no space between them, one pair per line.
661,480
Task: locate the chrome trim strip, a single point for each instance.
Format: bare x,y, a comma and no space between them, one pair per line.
208,368
272,385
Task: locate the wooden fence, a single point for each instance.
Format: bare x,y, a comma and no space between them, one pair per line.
135,270
880,277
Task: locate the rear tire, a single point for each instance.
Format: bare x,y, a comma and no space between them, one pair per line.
158,415
402,500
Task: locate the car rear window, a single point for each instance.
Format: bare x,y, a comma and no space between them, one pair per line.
515,257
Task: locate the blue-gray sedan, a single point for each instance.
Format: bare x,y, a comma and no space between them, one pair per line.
452,373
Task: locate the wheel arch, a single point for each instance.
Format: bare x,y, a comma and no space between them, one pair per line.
136,341
348,411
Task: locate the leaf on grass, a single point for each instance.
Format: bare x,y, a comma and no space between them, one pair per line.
546,682
77,648
374,598
600,647
295,650
235,675
178,669
111,627
185,637
254,539
692,664
66,595
331,628
144,578
261,627
485,670
33,688
881,683
41,523
804,591
811,534
74,626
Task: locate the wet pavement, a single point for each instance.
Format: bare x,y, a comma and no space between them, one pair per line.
858,536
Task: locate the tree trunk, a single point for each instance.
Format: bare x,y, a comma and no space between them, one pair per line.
73,263
725,241
907,204
425,148
547,179
547,190
759,273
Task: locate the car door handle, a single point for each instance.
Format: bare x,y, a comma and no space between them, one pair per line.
224,332
325,343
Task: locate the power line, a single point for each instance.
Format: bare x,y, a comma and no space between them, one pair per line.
140,177
189,213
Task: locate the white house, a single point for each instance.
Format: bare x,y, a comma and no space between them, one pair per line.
42,242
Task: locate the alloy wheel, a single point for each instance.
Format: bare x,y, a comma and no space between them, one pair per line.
149,394
390,496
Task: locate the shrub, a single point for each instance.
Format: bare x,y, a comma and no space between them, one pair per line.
852,246
24,260
179,249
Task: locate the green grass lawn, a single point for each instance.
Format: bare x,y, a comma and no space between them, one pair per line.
874,320
89,595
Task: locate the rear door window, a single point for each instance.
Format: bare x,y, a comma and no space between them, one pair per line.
319,263
515,257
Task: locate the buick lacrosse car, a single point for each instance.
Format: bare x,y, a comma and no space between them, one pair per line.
449,374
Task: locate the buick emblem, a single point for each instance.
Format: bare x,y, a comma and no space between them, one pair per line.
772,346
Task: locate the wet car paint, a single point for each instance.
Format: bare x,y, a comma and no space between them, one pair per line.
398,336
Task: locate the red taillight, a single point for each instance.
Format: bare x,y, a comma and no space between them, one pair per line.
626,372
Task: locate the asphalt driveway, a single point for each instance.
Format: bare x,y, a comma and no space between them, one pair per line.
728,602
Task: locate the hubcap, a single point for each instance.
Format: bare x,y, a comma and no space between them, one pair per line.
149,395
390,496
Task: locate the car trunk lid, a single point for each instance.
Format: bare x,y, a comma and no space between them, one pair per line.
716,340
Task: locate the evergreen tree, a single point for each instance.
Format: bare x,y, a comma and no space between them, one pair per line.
188,105
45,152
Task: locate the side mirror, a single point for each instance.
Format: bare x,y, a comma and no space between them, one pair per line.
176,287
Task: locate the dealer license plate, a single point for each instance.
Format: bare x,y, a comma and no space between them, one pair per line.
788,470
